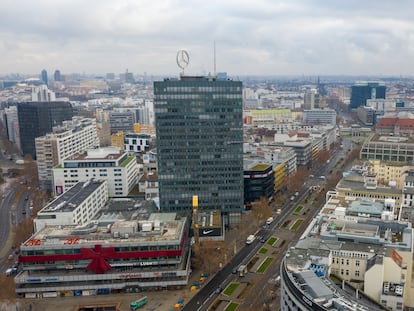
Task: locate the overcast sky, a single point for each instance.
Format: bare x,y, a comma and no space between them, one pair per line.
257,37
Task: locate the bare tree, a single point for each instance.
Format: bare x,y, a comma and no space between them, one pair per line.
211,256
354,154
295,181
261,210
322,157
7,291
23,231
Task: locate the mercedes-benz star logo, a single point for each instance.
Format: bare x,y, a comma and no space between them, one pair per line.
182,59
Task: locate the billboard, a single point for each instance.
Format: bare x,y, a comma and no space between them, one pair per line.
59,190
209,232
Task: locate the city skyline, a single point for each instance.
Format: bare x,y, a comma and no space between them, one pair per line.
267,38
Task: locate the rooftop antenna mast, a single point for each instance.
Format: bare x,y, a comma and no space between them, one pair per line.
214,56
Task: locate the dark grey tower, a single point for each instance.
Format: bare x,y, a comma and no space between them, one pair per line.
43,75
199,143
37,119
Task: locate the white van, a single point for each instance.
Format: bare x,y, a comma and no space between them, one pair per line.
269,220
250,239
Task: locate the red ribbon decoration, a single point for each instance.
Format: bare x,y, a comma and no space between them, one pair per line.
98,255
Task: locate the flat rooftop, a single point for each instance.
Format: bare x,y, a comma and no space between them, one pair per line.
127,232
70,200
108,153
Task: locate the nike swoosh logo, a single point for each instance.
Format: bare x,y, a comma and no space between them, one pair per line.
207,232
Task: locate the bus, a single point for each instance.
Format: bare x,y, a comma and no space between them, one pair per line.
136,304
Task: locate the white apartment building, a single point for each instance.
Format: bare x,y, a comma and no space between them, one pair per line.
136,143
77,206
319,116
119,169
72,137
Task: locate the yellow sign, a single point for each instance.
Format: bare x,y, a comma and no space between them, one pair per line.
195,200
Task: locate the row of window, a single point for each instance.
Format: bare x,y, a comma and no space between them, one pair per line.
350,254
345,272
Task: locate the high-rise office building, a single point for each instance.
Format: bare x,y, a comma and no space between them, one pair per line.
43,75
199,143
362,91
37,119
57,76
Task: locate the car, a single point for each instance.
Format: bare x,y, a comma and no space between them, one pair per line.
218,290
279,210
292,197
296,193
262,240
234,271
311,176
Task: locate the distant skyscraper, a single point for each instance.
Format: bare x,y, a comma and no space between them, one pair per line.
127,77
362,91
199,143
57,76
44,76
110,76
37,119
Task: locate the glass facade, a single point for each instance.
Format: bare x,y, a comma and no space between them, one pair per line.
37,119
199,143
363,91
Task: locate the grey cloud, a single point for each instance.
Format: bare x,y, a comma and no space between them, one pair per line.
260,37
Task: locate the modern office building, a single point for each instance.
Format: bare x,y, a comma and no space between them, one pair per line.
362,91
119,169
259,181
126,249
43,76
37,119
303,149
121,121
388,148
77,206
57,76
200,143
319,116
72,137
